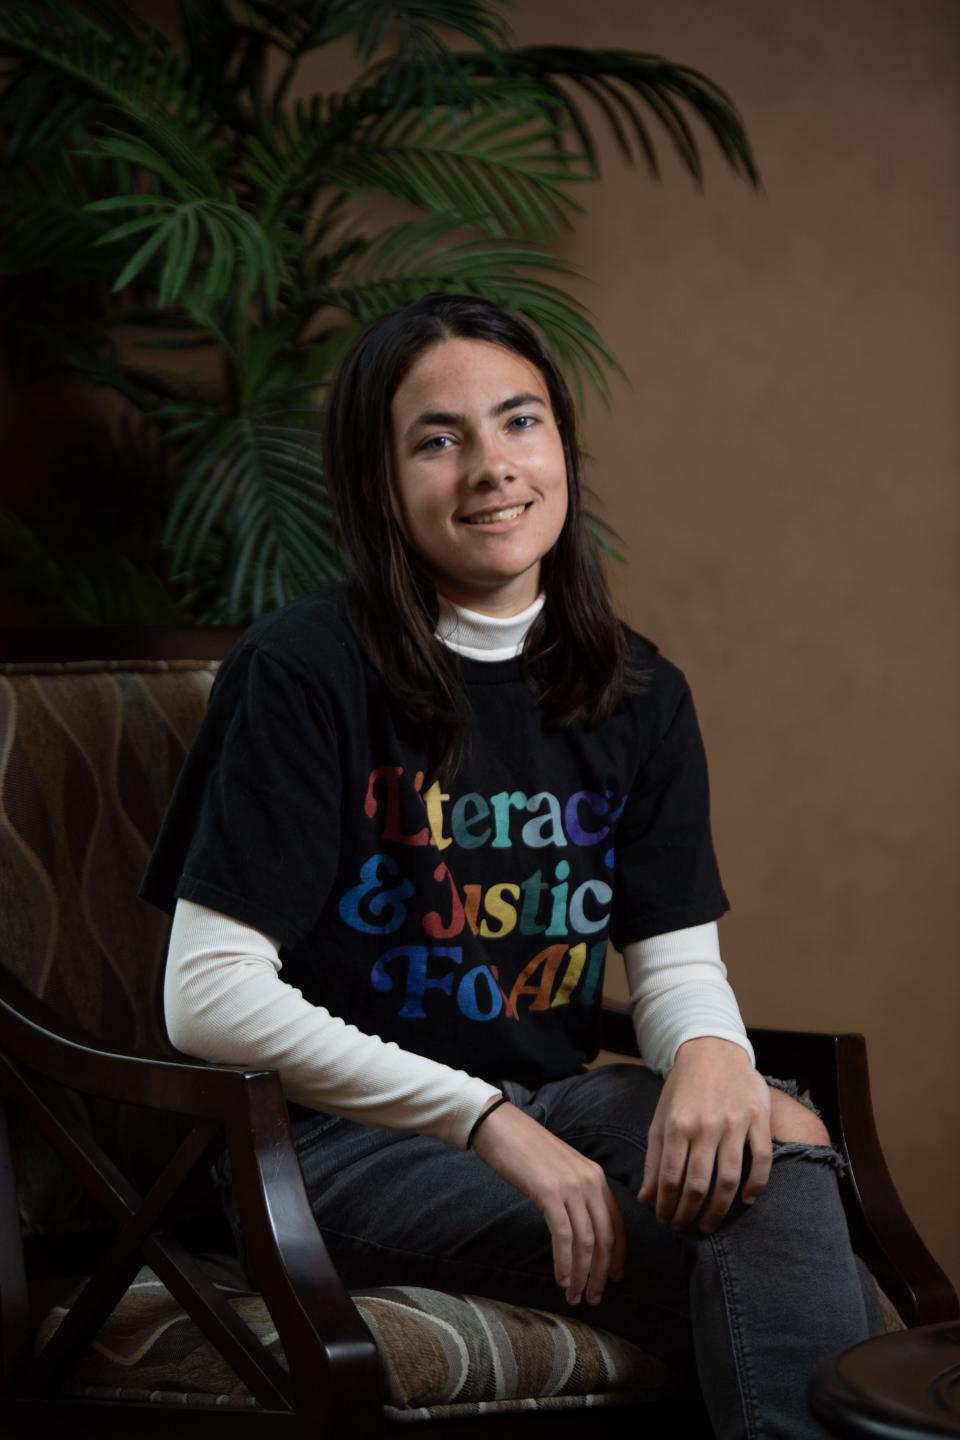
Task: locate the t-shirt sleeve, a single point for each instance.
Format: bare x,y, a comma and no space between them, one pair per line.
665,870
252,827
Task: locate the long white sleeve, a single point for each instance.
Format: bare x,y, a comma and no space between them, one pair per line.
679,991
224,1001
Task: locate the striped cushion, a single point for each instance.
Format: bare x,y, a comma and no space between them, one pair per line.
443,1354
449,1355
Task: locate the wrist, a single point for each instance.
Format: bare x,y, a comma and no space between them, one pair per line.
494,1103
702,1045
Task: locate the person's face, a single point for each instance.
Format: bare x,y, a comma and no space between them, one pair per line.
480,474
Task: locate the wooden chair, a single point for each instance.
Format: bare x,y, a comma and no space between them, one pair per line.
104,1163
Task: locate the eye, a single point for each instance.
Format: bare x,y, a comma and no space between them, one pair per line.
436,442
524,421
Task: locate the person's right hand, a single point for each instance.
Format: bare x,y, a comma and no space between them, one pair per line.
570,1191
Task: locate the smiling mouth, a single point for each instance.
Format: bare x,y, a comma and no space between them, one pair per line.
493,517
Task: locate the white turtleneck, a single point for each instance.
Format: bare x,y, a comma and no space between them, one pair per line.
224,999
484,637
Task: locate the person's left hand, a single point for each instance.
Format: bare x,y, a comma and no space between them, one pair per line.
713,1102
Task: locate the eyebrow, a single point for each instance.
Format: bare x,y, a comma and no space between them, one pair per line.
452,417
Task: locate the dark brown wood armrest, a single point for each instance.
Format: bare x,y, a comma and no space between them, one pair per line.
335,1373
182,1087
833,1068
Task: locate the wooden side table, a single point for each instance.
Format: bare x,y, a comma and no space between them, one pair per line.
902,1386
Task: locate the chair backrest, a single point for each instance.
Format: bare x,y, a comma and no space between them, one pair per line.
89,751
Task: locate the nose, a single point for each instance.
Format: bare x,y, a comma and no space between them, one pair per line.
491,466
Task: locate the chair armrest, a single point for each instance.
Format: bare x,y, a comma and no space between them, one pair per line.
335,1372
184,1087
834,1070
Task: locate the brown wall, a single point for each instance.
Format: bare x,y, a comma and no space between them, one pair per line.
783,471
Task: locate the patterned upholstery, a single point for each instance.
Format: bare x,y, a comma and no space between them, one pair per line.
444,1355
88,756
89,752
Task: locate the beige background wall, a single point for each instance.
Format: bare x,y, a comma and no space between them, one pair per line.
783,471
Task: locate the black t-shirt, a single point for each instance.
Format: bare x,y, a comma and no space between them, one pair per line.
469,926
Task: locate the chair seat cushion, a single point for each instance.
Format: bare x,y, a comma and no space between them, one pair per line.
444,1355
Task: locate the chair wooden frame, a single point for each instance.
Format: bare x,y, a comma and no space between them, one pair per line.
334,1384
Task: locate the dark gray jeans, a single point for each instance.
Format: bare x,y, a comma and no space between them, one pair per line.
747,1311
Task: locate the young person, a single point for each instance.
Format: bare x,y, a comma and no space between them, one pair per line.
418,805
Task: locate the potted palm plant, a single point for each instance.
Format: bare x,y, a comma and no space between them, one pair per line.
184,234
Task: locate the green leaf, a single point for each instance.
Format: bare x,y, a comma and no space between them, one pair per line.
129,227
180,257
259,482
126,202
137,74
494,161
207,242
413,258
609,77
143,257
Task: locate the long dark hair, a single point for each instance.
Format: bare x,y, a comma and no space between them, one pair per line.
575,654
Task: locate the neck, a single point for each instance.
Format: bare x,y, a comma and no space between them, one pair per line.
484,637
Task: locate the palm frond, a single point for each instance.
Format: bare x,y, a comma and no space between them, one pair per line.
36,114
495,165
180,174
258,478
421,67
141,77
209,241
422,70
43,192
413,258
616,80
231,59
503,175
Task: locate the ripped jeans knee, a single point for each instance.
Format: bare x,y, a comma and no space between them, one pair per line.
802,1149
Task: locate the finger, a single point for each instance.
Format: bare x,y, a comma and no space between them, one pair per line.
561,1239
603,1243
673,1164
729,1170
761,1152
696,1181
584,1247
651,1166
